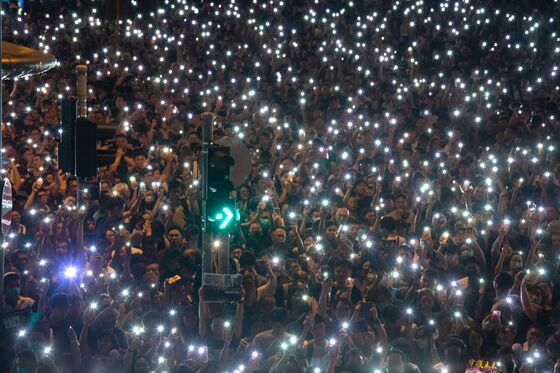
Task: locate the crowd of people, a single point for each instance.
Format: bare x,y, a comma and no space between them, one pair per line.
401,214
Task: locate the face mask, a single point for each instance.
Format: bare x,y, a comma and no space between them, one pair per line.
265,223
254,234
149,199
371,276
422,344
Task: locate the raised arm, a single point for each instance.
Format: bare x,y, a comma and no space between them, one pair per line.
239,314
202,314
270,287
529,309
324,298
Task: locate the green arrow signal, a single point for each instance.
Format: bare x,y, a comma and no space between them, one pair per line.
227,219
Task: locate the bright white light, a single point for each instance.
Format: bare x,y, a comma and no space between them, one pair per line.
70,272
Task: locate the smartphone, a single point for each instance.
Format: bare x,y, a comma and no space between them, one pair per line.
290,176
497,313
443,239
174,279
505,225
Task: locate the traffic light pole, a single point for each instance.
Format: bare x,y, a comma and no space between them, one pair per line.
207,119
81,112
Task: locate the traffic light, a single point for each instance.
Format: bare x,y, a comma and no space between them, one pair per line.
67,145
83,145
221,213
77,147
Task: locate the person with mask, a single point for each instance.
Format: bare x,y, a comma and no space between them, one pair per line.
13,300
468,246
279,246
424,352
254,241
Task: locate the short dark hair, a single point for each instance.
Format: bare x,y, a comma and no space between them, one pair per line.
400,195
112,202
388,223
247,258
280,315
331,223
504,281
172,228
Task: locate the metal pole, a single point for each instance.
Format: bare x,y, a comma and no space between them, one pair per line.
81,112
207,119
81,81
